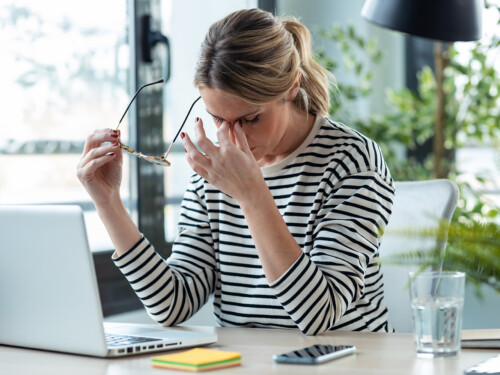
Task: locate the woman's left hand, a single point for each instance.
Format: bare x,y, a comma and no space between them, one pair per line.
231,166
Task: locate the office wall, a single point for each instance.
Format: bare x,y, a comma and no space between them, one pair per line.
481,313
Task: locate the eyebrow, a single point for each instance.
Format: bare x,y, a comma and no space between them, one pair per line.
239,118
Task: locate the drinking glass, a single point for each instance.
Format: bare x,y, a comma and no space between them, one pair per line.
437,299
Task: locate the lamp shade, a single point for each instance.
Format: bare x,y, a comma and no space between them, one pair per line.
446,20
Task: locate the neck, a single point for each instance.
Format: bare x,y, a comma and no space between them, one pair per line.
299,125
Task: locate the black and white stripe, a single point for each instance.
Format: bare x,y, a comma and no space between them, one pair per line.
335,194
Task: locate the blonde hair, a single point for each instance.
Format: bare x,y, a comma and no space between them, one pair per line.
258,57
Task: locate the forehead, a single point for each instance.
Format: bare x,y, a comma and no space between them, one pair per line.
225,106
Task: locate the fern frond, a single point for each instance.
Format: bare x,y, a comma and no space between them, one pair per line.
473,248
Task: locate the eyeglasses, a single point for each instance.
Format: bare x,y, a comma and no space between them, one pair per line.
158,160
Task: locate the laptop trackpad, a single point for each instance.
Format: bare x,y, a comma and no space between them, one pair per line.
159,333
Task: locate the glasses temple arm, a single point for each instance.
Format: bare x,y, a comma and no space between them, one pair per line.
137,93
179,131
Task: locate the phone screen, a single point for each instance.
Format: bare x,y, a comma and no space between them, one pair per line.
315,354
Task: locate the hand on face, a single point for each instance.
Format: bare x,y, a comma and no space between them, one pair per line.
230,167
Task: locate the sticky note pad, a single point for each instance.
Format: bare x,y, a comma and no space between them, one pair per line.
198,359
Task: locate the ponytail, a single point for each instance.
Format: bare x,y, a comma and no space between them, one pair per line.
314,96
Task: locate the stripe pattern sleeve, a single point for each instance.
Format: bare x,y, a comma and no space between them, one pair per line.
173,290
321,286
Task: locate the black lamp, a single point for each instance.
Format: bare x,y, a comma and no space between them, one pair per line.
443,21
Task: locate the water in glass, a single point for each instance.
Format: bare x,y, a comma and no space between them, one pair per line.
437,325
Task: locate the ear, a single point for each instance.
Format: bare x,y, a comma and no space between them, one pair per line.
292,93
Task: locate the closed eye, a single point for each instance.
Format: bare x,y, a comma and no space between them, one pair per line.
252,121
218,120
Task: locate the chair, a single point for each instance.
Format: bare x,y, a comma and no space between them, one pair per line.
417,205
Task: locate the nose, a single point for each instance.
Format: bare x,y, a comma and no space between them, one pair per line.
232,124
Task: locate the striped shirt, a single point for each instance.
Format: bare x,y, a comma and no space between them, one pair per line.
334,193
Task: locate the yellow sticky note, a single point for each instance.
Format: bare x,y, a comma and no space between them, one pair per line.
197,359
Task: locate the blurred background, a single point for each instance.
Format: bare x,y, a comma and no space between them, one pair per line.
68,68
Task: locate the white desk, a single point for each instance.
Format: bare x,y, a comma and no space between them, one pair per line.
378,353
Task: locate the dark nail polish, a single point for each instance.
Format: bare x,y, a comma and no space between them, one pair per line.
183,135
114,135
185,151
197,119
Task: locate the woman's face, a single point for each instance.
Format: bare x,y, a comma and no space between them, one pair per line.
264,125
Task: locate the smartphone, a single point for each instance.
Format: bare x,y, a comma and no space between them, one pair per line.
315,354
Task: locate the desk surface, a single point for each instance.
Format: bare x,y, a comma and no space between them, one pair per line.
377,353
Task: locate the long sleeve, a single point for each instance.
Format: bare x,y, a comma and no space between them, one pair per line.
173,290
321,286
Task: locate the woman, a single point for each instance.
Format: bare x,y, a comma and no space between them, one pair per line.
282,218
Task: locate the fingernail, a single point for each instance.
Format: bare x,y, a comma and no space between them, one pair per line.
197,119
116,144
240,123
114,135
185,151
110,154
183,135
114,132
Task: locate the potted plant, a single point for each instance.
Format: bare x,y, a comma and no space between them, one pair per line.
472,100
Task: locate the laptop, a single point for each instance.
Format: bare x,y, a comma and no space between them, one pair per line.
48,290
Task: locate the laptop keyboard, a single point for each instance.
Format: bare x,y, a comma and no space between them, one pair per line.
122,340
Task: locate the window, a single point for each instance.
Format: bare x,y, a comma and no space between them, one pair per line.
478,162
64,73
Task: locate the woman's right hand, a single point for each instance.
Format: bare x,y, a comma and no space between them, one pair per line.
100,168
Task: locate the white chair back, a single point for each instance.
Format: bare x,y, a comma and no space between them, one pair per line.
417,205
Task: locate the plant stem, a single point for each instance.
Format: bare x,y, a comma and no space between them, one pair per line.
441,61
